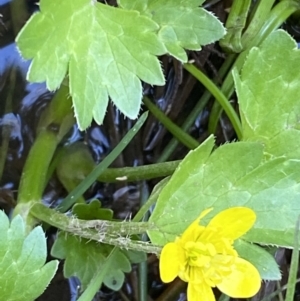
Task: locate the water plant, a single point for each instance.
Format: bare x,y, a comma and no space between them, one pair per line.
92,52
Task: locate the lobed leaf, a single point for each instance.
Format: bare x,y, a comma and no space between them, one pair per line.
269,95
105,50
262,172
83,258
23,272
92,210
183,24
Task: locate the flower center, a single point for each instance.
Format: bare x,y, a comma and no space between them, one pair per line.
208,261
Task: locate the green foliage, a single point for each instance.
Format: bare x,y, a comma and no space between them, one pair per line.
269,96
262,172
84,258
92,210
23,272
74,164
106,51
260,258
182,24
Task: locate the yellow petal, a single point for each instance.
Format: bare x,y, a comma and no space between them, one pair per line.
243,282
200,292
170,259
194,229
233,222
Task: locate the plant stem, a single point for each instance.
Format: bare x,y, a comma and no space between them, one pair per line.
99,169
215,91
143,266
138,173
235,24
174,129
202,102
151,200
257,19
291,285
274,20
35,170
55,122
103,231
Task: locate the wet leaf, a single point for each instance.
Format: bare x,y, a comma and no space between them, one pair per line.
23,272
183,24
262,172
106,51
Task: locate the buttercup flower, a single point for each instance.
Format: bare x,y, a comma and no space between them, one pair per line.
205,257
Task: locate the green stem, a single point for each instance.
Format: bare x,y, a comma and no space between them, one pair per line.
260,15
275,19
215,91
202,102
174,129
99,169
35,170
277,292
105,227
278,15
143,266
55,122
151,200
291,285
235,24
138,173
103,231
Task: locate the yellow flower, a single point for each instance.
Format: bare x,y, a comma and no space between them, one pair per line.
205,257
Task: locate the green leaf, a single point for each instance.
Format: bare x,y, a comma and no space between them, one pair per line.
23,272
271,188
92,210
260,258
200,180
106,51
97,281
115,276
183,24
74,164
135,256
83,259
263,172
269,95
